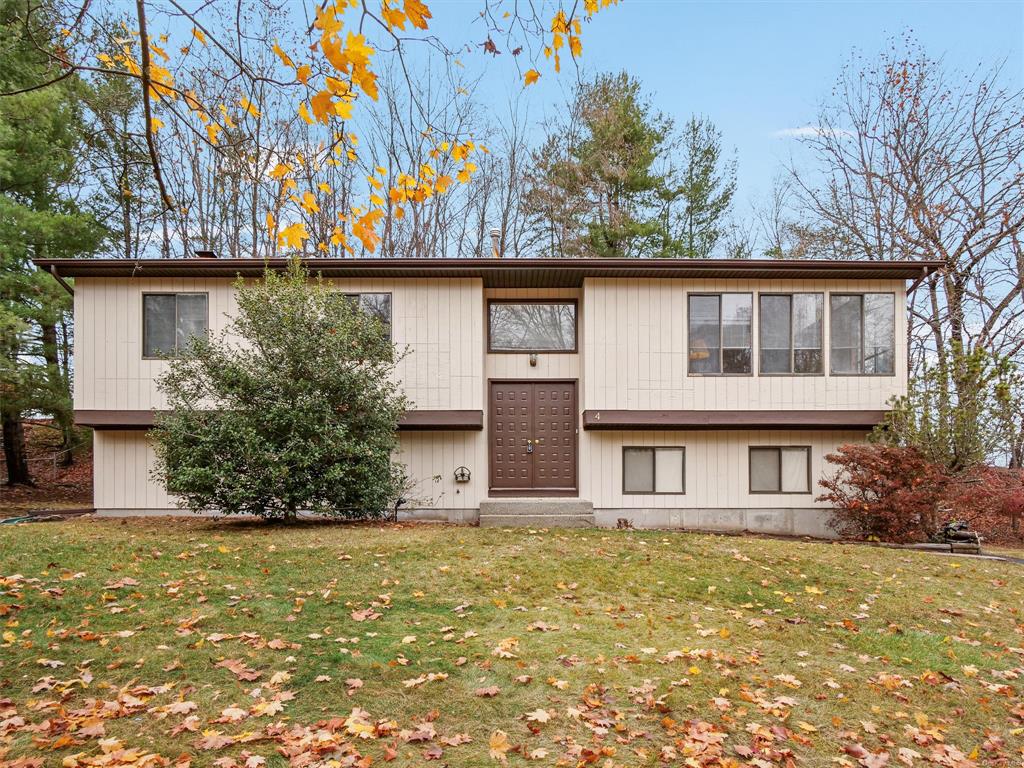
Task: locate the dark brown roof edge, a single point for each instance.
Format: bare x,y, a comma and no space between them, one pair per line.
493,268
702,420
412,421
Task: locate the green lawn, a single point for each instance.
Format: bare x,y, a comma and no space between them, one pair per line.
139,643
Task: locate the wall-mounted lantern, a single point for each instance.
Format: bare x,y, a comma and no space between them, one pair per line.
462,475
533,359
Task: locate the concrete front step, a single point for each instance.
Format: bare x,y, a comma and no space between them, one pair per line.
536,521
536,506
536,513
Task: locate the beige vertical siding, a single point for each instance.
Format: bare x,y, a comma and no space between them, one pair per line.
717,469
436,319
431,458
635,347
123,463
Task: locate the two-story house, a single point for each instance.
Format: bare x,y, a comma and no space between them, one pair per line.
671,393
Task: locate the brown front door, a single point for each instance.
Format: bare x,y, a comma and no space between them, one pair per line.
533,437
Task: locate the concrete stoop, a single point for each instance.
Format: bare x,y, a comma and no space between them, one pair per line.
536,513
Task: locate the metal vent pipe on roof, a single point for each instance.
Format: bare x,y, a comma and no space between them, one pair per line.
496,243
204,254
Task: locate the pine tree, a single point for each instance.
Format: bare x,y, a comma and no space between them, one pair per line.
40,131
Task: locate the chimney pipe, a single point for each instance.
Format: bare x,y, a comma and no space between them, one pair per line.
495,243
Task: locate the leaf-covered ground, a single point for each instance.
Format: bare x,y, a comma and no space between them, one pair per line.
148,643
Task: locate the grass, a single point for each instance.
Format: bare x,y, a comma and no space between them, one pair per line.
627,648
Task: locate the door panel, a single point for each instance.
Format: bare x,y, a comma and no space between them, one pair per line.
542,412
511,426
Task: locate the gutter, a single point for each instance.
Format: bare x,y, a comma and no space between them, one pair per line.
67,287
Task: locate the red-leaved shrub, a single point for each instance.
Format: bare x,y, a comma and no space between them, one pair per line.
896,494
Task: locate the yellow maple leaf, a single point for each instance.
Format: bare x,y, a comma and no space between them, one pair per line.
309,203
156,124
418,13
323,186
304,113
323,106
293,235
393,17
198,34
531,76
271,223
249,107
284,57
499,745
302,73
280,171
575,46
211,131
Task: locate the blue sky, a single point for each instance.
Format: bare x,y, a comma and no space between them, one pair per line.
755,68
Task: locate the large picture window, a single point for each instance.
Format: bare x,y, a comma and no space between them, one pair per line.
863,333
654,470
780,469
170,320
791,333
374,304
720,333
532,326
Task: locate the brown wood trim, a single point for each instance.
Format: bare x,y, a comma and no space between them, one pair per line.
441,420
412,421
703,420
505,272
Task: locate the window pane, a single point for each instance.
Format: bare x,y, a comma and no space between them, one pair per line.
533,326
158,325
192,317
737,314
795,470
376,305
637,470
807,312
764,469
704,335
775,334
846,334
879,332
668,474
808,309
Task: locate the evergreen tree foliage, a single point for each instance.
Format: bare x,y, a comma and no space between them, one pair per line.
293,408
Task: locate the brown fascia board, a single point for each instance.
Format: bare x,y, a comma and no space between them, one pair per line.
705,420
506,272
411,421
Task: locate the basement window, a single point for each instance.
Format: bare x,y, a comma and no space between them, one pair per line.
171,320
654,470
777,469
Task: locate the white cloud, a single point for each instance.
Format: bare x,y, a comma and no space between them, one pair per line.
806,131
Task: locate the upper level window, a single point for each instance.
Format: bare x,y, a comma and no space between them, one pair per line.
720,333
169,320
791,333
863,333
532,326
374,304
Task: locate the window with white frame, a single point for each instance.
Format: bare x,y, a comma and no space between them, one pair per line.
780,469
791,333
654,469
863,334
171,320
720,333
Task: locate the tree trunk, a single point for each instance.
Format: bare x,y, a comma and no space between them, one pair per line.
54,372
14,450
